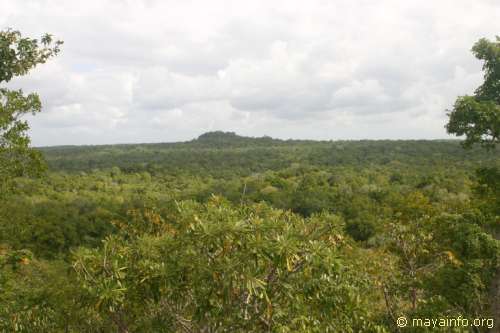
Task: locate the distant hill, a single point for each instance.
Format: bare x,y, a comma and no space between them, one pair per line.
226,154
220,139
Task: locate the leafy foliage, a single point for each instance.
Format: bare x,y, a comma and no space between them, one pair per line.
17,56
478,117
215,268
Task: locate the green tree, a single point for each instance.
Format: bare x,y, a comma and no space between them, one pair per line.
18,55
218,268
478,116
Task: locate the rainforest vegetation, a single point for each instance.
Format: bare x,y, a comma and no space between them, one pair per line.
227,233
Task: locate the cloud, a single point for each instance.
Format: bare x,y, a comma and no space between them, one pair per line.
147,70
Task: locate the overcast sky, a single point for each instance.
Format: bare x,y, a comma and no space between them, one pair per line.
160,71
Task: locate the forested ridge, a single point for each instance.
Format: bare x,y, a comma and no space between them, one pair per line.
244,155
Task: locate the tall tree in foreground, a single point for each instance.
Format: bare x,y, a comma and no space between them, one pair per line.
478,116
18,55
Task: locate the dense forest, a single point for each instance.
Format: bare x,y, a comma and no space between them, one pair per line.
227,227
227,233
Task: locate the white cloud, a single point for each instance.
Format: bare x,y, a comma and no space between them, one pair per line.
150,70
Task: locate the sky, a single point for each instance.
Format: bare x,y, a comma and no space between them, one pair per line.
161,71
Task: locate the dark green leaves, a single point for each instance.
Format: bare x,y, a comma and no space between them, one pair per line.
478,117
478,120
20,54
17,56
